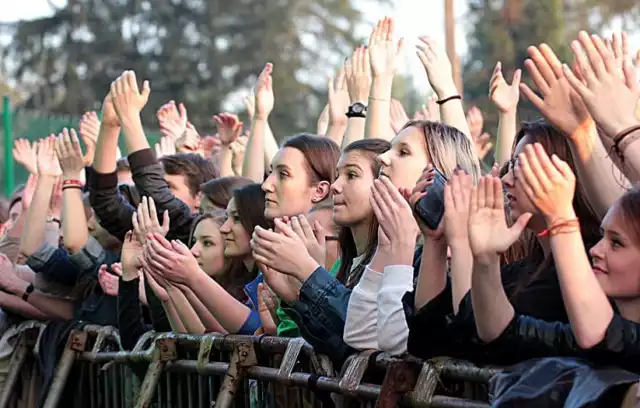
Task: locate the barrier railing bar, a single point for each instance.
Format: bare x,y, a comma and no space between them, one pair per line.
413,382
27,338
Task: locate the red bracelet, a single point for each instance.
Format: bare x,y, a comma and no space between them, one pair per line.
558,224
72,182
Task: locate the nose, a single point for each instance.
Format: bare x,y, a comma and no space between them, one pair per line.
336,187
384,159
508,180
196,249
597,251
267,185
225,228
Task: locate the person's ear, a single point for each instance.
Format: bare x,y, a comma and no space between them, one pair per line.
321,192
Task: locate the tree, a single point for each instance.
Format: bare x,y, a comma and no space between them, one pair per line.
196,51
502,30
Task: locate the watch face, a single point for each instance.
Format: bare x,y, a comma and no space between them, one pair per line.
357,108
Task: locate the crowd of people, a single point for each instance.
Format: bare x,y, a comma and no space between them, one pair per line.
347,236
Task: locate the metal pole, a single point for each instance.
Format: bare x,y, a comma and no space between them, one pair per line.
8,146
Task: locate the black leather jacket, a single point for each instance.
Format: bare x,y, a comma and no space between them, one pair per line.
528,338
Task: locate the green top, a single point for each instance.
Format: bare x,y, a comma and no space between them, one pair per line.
287,327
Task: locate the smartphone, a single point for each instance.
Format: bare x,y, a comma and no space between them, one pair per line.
430,208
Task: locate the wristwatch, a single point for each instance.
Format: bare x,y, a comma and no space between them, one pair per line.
357,110
27,292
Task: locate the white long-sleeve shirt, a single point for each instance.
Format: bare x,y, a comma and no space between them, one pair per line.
375,314
393,331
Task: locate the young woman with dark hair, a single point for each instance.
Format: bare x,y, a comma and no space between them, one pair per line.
175,263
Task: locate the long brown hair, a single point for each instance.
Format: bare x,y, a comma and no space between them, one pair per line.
321,155
219,191
371,149
629,207
556,143
250,203
448,148
232,278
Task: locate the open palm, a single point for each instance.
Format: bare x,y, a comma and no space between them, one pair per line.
488,231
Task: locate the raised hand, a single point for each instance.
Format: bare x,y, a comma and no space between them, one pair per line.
283,251
358,75
127,99
399,116
313,237
154,283
25,154
457,201
55,203
210,145
611,99
285,286
229,127
48,165
190,141
166,147
395,217
413,195
436,63
108,281
173,120
503,95
383,51
145,220
548,182
238,149
482,141
89,128
171,260
29,190
338,98
263,93
69,155
489,235
323,121
130,256
559,103
109,116
267,307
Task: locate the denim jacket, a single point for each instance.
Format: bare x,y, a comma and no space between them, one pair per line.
253,322
321,311
58,265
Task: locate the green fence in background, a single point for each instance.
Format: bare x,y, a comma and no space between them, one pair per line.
23,124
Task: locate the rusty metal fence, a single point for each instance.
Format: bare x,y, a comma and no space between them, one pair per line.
222,371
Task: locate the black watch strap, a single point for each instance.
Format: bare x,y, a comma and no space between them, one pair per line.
27,292
357,110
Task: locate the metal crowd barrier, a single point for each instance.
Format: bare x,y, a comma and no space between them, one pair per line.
222,371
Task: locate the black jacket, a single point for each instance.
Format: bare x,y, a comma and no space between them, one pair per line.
435,331
114,212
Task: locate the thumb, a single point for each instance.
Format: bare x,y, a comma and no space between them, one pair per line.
146,90
521,223
320,233
517,76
